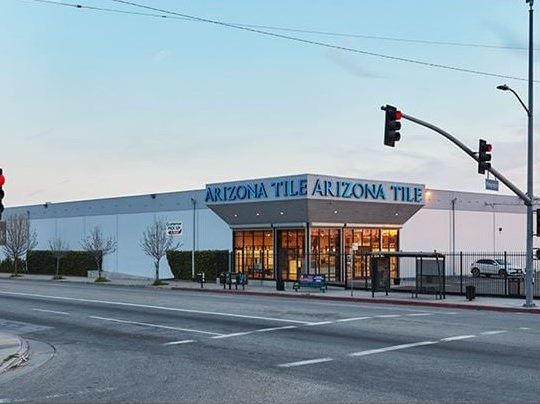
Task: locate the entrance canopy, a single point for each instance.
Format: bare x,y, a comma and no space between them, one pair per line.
314,199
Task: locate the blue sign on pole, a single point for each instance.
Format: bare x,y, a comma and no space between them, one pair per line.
492,185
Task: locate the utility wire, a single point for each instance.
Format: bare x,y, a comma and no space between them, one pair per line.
323,44
252,29
385,38
303,31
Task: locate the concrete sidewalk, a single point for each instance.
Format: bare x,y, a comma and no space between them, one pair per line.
13,351
333,293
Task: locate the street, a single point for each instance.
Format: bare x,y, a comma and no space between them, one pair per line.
127,344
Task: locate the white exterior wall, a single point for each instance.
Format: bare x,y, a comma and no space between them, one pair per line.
430,229
127,229
478,219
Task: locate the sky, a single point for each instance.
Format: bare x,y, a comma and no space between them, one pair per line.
99,104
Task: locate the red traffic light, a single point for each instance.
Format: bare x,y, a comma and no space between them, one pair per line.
2,180
489,147
398,115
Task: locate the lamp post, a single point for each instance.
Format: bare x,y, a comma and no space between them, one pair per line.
529,110
194,203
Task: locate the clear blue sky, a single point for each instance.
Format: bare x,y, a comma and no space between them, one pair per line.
99,104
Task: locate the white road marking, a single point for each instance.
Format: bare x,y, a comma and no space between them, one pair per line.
345,320
388,316
457,338
321,323
524,328
166,327
185,341
285,327
53,396
372,306
240,334
393,348
493,332
147,306
52,311
302,363
419,314
236,334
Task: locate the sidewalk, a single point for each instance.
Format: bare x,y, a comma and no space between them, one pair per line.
333,293
13,351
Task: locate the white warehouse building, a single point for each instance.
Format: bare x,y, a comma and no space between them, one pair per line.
296,224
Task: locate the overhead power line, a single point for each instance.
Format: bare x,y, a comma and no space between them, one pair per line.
253,29
303,31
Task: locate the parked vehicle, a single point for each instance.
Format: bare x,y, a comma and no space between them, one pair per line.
498,267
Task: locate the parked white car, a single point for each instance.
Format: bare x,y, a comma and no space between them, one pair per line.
498,267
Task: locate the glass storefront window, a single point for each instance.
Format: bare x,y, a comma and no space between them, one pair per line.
368,240
254,253
291,254
325,254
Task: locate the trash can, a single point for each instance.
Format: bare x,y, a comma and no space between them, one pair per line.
470,292
280,284
514,285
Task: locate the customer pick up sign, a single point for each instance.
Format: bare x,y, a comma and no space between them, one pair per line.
174,229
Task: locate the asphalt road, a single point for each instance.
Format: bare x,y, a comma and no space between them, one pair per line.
95,343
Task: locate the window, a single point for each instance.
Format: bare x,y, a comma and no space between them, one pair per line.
254,253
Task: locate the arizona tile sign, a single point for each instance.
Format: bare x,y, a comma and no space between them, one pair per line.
314,187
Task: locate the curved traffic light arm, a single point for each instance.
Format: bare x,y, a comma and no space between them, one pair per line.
472,154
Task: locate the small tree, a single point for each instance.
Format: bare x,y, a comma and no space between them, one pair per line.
98,247
20,238
59,248
156,242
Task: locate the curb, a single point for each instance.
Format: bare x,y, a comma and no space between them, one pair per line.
396,302
18,358
65,281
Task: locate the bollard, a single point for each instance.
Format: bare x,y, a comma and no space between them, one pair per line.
470,292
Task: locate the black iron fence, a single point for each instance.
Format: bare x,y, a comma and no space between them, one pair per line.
492,274
495,274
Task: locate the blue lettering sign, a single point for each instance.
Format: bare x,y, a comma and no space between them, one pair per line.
317,188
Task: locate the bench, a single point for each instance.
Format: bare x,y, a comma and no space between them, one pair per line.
311,281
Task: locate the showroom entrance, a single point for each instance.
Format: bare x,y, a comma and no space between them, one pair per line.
307,224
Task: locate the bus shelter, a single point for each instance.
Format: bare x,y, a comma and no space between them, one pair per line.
428,269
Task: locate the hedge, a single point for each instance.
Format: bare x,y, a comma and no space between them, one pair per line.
74,263
211,262
8,267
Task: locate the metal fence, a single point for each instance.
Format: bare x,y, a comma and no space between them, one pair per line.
499,274
492,274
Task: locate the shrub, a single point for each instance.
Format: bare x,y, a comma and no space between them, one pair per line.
74,263
7,266
211,262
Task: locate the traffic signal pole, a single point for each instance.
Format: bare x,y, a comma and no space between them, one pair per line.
470,152
526,198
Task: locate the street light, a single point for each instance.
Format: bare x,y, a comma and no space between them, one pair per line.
529,248
504,87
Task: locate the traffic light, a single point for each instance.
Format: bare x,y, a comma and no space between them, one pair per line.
484,156
2,181
391,125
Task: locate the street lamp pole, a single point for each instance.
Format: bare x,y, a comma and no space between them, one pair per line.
529,275
529,200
